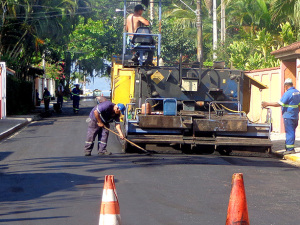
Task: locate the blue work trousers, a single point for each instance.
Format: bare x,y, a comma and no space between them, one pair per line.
75,104
290,126
60,100
93,131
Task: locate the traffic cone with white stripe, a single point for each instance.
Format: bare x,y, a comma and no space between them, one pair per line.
237,208
110,209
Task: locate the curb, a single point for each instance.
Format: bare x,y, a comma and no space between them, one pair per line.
18,127
13,130
293,157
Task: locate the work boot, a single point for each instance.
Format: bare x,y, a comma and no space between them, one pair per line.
87,154
104,153
289,152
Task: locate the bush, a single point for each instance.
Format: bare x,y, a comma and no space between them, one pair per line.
18,96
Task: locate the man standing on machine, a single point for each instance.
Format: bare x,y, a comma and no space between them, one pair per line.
133,22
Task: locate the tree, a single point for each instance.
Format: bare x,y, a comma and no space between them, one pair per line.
287,10
249,15
27,24
93,43
176,39
185,20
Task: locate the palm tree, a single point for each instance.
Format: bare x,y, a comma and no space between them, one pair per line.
249,14
286,10
187,19
28,23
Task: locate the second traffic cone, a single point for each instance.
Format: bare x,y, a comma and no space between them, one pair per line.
110,210
237,208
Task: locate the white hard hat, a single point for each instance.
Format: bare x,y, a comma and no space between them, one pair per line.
288,81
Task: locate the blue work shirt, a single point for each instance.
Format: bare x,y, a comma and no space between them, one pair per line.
106,111
76,92
289,102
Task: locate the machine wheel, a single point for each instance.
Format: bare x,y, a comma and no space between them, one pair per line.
186,148
204,149
224,150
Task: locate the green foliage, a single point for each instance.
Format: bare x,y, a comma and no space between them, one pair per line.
287,34
27,24
239,52
208,64
176,40
94,42
94,39
250,54
54,70
88,32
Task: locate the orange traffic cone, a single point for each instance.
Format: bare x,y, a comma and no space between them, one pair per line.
237,208
110,210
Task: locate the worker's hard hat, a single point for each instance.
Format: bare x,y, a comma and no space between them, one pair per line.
288,81
121,107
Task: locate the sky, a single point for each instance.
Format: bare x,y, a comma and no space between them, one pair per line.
100,83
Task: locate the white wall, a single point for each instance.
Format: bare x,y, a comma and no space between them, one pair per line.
3,90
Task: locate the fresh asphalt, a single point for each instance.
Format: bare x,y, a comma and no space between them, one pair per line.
46,179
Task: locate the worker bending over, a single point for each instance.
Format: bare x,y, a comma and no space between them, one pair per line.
100,117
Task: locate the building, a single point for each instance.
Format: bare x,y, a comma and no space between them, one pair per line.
274,78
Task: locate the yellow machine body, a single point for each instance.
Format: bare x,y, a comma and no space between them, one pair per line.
122,83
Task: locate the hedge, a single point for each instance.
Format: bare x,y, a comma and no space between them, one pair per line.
18,96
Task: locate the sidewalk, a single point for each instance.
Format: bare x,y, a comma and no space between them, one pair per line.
278,141
12,124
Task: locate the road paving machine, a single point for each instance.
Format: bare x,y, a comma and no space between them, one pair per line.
185,106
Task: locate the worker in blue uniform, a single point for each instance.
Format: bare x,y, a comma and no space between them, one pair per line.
100,117
46,97
75,95
289,102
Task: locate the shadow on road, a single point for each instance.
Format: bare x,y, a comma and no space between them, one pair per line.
27,186
30,219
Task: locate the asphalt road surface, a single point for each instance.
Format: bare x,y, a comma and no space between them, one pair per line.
46,179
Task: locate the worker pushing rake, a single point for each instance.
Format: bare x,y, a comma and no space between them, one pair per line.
98,125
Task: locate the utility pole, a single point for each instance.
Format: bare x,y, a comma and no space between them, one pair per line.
223,28
44,83
151,10
199,33
215,30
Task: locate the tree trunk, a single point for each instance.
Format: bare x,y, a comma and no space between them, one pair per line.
223,25
199,33
67,70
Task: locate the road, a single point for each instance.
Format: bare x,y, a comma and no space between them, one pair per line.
46,179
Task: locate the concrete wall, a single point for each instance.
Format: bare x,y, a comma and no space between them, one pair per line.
40,83
272,78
